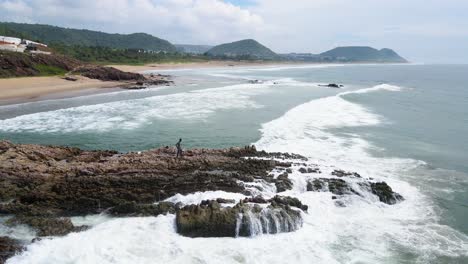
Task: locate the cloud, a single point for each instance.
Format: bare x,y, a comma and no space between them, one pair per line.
186,21
414,28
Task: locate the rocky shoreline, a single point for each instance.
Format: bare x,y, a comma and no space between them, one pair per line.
42,186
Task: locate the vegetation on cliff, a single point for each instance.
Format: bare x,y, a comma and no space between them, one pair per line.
15,64
82,37
361,54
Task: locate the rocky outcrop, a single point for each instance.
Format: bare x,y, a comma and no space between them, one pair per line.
107,73
385,192
8,248
43,185
332,85
209,219
64,181
134,209
283,183
341,187
15,64
135,80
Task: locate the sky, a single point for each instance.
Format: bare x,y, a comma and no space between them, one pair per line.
429,31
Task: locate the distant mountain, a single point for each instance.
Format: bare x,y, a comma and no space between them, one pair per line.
82,37
193,49
361,54
248,48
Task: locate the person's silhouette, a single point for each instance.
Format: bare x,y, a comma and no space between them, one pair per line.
179,149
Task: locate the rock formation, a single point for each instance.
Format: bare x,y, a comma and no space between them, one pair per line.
42,186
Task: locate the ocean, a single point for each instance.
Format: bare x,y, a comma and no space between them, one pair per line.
403,124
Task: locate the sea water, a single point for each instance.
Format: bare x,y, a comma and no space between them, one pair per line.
404,124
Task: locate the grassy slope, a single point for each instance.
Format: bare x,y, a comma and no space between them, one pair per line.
14,64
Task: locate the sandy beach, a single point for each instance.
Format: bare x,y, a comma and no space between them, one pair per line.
25,89
14,90
188,65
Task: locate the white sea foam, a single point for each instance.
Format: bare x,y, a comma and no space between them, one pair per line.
365,231
412,225
20,232
381,87
130,114
198,197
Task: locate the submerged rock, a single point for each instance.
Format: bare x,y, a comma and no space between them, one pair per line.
134,209
385,193
341,187
8,248
332,85
46,226
283,183
335,186
342,173
212,220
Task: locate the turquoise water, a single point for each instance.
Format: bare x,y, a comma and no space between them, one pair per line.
407,124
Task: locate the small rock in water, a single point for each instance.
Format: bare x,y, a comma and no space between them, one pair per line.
342,187
283,183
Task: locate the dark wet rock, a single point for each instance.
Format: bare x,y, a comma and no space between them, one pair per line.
206,221
134,209
288,201
342,187
385,193
212,220
339,203
283,183
8,248
256,199
80,228
309,170
251,151
341,173
45,226
332,85
224,201
63,181
314,170
288,170
107,73
104,73
335,186
69,78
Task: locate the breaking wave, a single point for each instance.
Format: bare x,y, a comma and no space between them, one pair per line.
131,114
364,231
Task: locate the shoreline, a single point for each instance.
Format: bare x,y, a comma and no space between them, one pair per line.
32,89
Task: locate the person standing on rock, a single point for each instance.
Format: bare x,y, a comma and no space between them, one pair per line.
179,148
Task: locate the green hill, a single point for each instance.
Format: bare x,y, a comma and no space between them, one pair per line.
361,54
82,37
248,48
193,49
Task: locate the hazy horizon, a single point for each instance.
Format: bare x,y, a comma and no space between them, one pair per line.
421,31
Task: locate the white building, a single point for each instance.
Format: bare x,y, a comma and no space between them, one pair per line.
16,44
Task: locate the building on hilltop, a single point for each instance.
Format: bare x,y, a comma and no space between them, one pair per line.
22,45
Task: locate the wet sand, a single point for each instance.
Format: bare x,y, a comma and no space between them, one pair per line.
27,89
14,90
